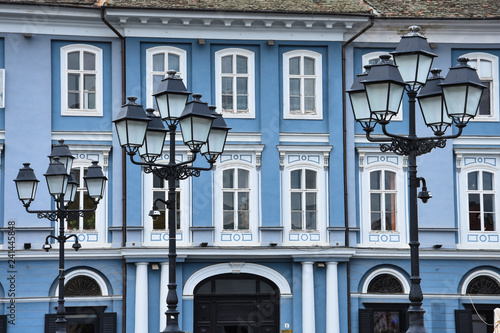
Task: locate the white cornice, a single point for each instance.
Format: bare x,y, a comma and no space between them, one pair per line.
83,136
305,137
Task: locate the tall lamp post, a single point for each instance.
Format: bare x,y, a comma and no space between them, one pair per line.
62,186
376,96
142,132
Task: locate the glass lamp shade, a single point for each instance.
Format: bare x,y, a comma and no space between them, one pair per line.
216,139
62,151
359,100
155,138
69,197
462,90
430,99
413,57
57,178
196,121
26,184
95,181
384,89
171,97
131,125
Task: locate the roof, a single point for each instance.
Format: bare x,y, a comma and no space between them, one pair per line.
437,8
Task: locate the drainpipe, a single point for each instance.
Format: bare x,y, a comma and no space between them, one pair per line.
124,173
344,142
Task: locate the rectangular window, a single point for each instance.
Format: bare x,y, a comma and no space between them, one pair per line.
383,200
160,191
302,78
236,199
82,201
234,80
481,201
303,199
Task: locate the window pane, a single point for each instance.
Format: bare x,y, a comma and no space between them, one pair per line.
243,176
243,220
242,103
489,202
390,221
156,82
241,85
159,62
310,104
295,87
485,70
375,180
88,61
228,220
489,222
88,219
296,179
311,201
159,195
157,182
472,181
227,64
485,101
174,62
73,82
74,60
375,202
227,102
309,87
227,85
73,100
310,179
294,103
385,321
296,220
390,202
390,180
228,200
74,224
241,65
294,64
161,222
296,201
89,101
308,66
376,221
243,200
474,212
310,220
228,178
89,82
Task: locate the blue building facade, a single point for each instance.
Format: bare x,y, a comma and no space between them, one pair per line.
289,232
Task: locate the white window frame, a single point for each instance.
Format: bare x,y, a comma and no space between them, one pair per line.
390,271
245,157
160,237
65,111
84,155
470,160
313,158
149,68
318,69
365,59
2,88
371,159
251,81
494,94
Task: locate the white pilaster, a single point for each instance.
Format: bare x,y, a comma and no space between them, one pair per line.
141,297
163,294
332,298
308,318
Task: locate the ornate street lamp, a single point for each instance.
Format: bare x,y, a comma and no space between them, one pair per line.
454,99
62,187
203,131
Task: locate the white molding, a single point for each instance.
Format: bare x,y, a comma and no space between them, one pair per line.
69,300
401,278
242,267
305,137
88,273
318,87
149,68
250,83
99,69
82,136
482,272
244,137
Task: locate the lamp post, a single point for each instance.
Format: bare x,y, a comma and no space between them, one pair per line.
143,132
62,186
376,96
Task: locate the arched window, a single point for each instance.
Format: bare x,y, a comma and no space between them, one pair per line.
385,284
383,196
483,285
235,83
82,286
236,199
302,85
303,199
160,60
486,66
81,80
481,201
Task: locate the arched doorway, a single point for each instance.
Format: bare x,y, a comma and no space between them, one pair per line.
236,303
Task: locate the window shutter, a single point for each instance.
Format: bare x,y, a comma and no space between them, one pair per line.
3,324
365,320
109,322
463,321
50,323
